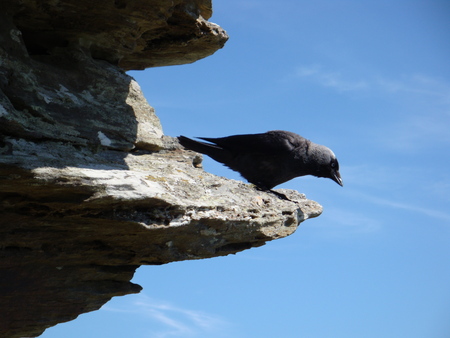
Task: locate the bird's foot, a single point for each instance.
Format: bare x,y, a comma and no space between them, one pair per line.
276,193
279,195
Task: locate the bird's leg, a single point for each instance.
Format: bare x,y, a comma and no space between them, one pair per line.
277,194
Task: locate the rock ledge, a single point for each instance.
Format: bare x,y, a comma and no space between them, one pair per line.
90,188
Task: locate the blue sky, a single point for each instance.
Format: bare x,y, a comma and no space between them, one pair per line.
369,79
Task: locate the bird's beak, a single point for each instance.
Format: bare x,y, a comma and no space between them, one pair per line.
337,178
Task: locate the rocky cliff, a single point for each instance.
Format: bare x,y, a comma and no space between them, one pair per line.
90,188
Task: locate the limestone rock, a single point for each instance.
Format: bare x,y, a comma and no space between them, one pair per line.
69,212
149,208
90,188
133,34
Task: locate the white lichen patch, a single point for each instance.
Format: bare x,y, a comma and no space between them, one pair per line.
64,94
15,35
180,221
104,140
46,98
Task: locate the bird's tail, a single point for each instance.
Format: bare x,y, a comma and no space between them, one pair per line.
212,150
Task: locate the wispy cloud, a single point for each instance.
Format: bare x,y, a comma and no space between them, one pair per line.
419,104
378,177
414,133
417,84
440,187
433,213
343,81
332,79
425,115
176,321
348,222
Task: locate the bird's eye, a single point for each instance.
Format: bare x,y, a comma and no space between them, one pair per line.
333,164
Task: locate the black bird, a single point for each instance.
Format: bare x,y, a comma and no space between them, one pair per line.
269,159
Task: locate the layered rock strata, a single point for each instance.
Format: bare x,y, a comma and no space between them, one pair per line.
90,188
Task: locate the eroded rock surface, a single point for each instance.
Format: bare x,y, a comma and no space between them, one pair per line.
133,34
76,224
90,188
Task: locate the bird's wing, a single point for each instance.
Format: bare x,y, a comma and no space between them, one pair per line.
212,150
266,143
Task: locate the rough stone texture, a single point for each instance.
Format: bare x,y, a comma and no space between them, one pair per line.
153,208
134,34
90,188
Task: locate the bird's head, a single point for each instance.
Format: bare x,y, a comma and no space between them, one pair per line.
334,172
327,164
